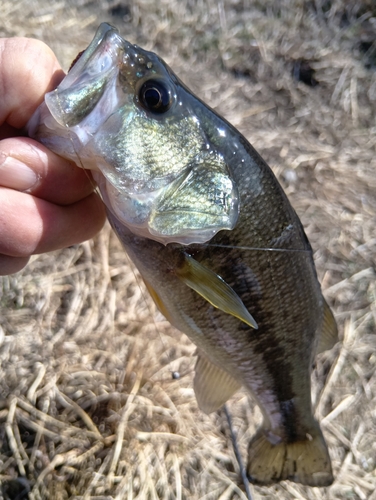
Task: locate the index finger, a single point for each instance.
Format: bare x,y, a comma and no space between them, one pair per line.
28,69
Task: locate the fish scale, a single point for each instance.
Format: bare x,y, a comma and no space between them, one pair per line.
143,149
219,246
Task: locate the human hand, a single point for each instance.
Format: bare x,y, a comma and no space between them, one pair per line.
46,202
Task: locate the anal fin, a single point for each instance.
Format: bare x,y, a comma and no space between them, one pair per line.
329,332
213,386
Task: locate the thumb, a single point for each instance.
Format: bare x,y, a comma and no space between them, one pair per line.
28,69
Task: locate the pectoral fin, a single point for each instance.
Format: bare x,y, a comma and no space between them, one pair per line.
214,289
213,386
329,331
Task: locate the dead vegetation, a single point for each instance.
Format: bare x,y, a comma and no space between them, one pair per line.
89,408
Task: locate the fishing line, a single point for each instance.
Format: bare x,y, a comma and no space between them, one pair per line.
238,455
207,245
263,249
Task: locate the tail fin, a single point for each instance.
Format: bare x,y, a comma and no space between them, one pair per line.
306,461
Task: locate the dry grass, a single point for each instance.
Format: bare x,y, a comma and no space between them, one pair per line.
88,405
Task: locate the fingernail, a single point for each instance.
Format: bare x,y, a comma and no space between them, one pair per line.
16,175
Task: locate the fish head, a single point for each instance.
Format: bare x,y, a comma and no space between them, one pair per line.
122,113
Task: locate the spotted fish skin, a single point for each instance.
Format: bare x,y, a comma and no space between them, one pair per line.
209,227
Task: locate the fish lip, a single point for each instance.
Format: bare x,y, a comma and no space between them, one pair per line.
106,48
98,65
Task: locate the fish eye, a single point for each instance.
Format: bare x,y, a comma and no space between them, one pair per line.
155,96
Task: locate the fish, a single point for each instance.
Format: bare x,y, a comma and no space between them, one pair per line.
215,238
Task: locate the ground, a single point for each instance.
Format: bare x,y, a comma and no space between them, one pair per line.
89,408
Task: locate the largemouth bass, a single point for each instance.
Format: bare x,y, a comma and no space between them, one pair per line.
220,248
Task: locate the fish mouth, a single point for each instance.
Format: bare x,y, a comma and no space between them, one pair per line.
103,51
89,78
103,77
101,81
